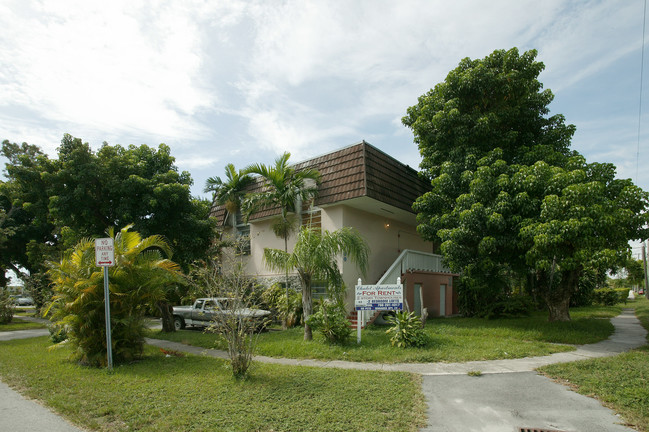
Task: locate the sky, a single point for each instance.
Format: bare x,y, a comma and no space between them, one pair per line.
243,81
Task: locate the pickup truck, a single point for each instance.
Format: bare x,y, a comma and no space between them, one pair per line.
203,311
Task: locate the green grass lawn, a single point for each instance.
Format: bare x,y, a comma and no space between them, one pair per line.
451,339
25,311
199,394
18,324
620,382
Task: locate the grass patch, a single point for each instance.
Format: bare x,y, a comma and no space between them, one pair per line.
18,324
199,394
31,312
451,339
621,382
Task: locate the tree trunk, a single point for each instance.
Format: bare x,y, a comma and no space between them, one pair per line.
307,307
559,310
166,312
558,298
288,303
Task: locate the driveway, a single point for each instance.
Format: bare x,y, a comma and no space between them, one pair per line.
510,396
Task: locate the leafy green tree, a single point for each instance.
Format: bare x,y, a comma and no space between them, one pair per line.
587,219
6,307
487,115
28,235
287,188
635,271
55,203
136,282
314,258
495,102
498,163
5,233
138,185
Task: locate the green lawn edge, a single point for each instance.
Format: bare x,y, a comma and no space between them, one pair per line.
451,339
18,324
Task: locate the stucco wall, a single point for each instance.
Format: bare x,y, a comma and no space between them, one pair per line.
431,284
386,237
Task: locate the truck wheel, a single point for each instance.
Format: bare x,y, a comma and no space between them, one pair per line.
179,323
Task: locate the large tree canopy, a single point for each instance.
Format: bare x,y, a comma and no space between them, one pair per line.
510,203
24,201
82,193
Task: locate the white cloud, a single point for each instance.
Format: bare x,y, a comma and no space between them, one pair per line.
100,65
239,80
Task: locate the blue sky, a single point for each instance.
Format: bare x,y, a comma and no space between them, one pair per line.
244,81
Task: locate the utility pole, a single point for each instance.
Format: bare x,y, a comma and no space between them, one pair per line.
644,265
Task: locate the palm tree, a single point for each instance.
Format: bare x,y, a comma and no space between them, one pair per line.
287,188
314,258
229,193
140,278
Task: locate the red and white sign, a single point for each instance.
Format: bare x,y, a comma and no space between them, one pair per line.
379,297
104,252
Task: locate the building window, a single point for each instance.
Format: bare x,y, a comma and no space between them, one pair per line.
312,218
243,234
319,289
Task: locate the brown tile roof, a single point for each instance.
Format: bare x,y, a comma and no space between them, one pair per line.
356,171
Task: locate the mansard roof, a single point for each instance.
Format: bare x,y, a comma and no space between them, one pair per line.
359,170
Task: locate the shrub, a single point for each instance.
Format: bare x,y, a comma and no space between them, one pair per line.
623,294
274,298
330,319
510,307
137,280
406,330
58,333
233,325
607,296
6,307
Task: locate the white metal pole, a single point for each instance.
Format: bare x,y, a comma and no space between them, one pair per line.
109,346
644,262
359,314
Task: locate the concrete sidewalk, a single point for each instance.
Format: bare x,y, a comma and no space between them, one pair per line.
19,414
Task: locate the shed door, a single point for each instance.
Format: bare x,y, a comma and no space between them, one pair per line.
417,302
442,300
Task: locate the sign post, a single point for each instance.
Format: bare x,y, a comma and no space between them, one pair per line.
376,297
105,257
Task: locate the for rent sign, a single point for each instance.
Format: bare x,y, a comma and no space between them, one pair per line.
379,297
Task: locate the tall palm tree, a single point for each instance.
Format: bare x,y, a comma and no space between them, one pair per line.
229,193
140,278
314,258
287,188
